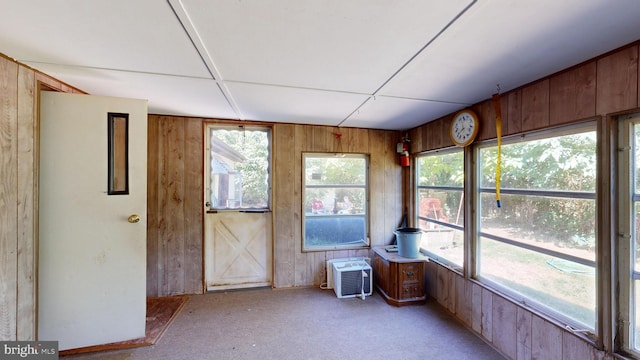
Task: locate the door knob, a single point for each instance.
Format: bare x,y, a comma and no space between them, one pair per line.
134,218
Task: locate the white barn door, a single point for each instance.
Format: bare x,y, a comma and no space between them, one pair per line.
238,220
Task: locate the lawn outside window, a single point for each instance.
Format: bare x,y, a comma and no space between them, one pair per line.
335,201
540,245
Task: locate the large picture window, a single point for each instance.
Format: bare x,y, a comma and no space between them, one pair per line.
335,201
440,182
541,244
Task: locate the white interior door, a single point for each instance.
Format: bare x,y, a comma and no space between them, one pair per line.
92,260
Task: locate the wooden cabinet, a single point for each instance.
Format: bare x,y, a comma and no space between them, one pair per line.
399,280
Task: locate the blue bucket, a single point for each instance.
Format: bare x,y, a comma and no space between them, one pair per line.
408,240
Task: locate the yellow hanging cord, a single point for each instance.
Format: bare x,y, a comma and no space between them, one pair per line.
496,105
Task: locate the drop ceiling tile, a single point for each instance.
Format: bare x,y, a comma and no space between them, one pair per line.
293,105
167,95
398,113
514,43
316,61
140,35
352,46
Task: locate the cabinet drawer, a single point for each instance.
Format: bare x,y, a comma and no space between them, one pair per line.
410,291
411,272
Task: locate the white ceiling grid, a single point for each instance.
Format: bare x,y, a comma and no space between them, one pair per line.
365,63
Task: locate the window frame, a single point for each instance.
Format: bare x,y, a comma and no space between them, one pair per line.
478,190
366,215
208,129
445,151
628,277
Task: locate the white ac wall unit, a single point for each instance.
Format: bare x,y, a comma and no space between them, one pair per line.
332,261
352,278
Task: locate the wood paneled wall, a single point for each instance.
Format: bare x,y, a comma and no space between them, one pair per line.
176,188
292,267
511,328
604,85
8,193
598,88
19,90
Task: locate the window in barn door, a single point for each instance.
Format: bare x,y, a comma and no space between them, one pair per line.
238,165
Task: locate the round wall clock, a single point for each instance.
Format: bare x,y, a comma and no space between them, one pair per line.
464,127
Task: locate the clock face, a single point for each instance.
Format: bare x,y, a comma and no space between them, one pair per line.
464,128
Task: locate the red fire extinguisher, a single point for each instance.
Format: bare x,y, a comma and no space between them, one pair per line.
405,160
403,150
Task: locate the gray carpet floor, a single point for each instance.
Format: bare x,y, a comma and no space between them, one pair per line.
307,324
